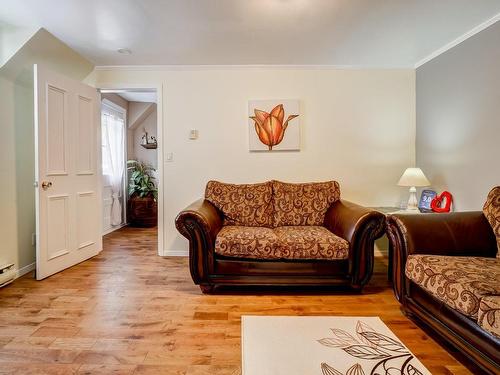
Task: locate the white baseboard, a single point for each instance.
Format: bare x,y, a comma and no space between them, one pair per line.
24,270
176,253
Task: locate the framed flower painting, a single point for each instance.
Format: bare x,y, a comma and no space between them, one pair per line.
273,125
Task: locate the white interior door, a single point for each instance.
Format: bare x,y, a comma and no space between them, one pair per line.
68,170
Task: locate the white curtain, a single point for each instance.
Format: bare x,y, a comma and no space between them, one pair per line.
113,158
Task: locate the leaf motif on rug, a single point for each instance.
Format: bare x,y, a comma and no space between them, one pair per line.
353,370
393,357
382,341
366,352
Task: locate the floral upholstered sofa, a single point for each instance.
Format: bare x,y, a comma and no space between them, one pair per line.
277,233
447,274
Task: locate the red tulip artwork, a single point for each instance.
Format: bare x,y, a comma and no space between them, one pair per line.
269,130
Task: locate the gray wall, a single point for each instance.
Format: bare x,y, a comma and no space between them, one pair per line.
458,119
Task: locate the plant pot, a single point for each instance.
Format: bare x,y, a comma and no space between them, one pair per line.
142,212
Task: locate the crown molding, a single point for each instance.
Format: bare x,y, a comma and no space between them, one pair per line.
459,40
242,67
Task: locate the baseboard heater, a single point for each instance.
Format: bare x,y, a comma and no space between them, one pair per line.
7,274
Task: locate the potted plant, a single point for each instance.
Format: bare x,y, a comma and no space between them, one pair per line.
143,195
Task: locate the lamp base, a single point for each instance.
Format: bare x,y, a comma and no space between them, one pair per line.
412,200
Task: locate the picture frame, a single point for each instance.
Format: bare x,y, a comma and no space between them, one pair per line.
274,125
424,205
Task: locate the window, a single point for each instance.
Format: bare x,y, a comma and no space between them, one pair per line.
113,155
112,128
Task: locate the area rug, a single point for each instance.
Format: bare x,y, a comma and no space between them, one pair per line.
320,345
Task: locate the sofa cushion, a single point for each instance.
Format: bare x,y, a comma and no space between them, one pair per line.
247,242
303,204
244,204
491,210
311,242
489,314
460,282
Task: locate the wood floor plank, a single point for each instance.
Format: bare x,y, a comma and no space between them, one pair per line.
110,357
30,342
106,369
38,369
128,311
37,355
73,343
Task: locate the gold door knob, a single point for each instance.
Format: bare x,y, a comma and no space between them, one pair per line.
46,185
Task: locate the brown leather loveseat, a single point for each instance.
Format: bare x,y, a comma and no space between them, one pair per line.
277,233
446,273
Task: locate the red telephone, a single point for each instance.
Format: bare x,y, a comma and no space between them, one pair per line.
437,202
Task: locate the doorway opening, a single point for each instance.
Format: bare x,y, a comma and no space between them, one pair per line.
131,165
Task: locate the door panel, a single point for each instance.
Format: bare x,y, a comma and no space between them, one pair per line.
85,228
67,142
57,226
85,152
56,124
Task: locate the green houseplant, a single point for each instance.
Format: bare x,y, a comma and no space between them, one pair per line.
143,195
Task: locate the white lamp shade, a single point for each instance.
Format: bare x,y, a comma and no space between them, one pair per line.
413,177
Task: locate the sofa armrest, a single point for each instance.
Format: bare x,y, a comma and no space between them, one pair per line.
199,223
360,226
453,234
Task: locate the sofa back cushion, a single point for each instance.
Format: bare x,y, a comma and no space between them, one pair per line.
243,204
491,210
303,204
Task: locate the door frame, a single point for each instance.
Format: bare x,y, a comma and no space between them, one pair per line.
159,137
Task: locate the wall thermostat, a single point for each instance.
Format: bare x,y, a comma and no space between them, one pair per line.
193,134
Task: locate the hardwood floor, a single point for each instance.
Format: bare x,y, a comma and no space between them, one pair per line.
128,311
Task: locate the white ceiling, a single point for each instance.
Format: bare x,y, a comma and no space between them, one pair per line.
138,96
365,33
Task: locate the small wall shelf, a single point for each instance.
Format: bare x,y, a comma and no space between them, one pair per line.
150,146
149,142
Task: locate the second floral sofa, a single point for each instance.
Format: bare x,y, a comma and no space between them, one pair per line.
277,233
447,276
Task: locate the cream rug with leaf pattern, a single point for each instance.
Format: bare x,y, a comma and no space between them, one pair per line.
317,345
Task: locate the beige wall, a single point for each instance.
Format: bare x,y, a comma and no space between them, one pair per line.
17,203
148,156
17,198
116,99
358,127
11,39
458,119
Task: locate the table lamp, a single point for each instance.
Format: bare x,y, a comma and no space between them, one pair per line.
413,177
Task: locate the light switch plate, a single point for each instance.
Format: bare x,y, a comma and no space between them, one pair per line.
170,157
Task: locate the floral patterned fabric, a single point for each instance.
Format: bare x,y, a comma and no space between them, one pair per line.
491,210
245,204
281,243
460,282
303,204
247,242
489,314
311,242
